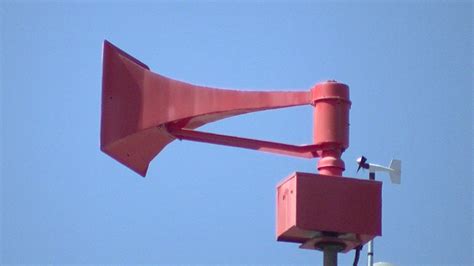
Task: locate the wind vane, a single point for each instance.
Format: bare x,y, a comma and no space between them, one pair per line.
142,112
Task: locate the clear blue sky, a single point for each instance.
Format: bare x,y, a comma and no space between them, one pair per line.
410,69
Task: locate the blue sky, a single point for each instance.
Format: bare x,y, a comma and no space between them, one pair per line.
409,66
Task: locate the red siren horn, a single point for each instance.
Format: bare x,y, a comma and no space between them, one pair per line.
140,108
142,112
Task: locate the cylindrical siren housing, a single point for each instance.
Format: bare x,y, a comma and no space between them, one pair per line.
331,114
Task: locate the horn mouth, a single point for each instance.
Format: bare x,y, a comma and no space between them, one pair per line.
122,134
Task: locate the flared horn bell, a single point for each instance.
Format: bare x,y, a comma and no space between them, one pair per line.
138,106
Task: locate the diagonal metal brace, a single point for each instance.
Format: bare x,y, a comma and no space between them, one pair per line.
303,151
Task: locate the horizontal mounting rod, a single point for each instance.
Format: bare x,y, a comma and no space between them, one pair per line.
303,151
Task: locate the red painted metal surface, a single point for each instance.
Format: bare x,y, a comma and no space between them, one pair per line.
331,124
303,151
143,111
314,208
137,104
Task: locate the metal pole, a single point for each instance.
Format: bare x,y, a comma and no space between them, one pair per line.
370,253
371,176
330,250
330,254
370,246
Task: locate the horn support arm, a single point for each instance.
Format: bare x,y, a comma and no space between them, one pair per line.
331,105
303,151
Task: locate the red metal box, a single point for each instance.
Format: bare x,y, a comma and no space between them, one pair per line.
313,208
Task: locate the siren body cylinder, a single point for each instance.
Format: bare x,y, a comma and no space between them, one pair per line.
331,124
